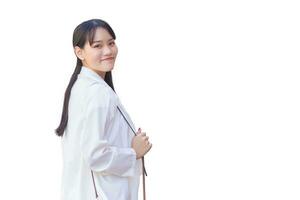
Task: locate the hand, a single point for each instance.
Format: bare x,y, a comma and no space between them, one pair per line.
140,143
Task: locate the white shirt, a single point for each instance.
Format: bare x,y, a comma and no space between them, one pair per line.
97,137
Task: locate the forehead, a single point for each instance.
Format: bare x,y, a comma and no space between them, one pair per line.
101,35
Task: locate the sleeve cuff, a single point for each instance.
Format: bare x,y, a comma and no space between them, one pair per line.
132,170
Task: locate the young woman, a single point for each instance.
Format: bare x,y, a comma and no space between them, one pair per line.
100,150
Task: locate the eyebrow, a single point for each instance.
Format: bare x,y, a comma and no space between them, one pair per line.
102,40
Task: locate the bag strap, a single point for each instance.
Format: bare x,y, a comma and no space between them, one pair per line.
143,163
94,185
144,169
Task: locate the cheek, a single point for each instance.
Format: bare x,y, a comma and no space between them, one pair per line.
97,54
116,51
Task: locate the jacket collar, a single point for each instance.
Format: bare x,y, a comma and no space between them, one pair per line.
87,72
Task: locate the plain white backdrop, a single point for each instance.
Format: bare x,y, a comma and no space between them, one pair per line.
215,85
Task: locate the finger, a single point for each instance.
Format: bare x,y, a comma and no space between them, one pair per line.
139,131
146,137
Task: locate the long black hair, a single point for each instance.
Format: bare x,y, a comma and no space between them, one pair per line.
83,32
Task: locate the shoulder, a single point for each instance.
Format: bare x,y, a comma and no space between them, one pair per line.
99,95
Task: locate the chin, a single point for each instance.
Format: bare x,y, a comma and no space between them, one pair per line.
105,69
110,68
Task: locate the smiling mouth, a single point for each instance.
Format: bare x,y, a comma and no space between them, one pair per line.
108,59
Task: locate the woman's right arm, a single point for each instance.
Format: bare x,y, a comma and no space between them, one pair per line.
97,152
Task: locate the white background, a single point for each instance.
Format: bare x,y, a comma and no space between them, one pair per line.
215,84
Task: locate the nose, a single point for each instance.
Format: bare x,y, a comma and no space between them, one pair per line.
107,50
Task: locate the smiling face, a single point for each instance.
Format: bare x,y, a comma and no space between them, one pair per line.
101,54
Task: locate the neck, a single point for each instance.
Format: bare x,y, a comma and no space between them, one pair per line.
102,74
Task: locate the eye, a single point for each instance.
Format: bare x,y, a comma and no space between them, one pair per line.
112,43
97,46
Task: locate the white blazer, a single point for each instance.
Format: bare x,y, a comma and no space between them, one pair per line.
98,138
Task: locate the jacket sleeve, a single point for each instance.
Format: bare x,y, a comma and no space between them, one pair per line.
97,152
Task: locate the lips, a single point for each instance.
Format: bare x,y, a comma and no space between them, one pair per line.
110,58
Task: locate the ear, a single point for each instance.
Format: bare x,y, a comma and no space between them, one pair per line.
79,53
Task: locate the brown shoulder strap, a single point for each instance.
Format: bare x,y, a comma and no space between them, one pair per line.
94,185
